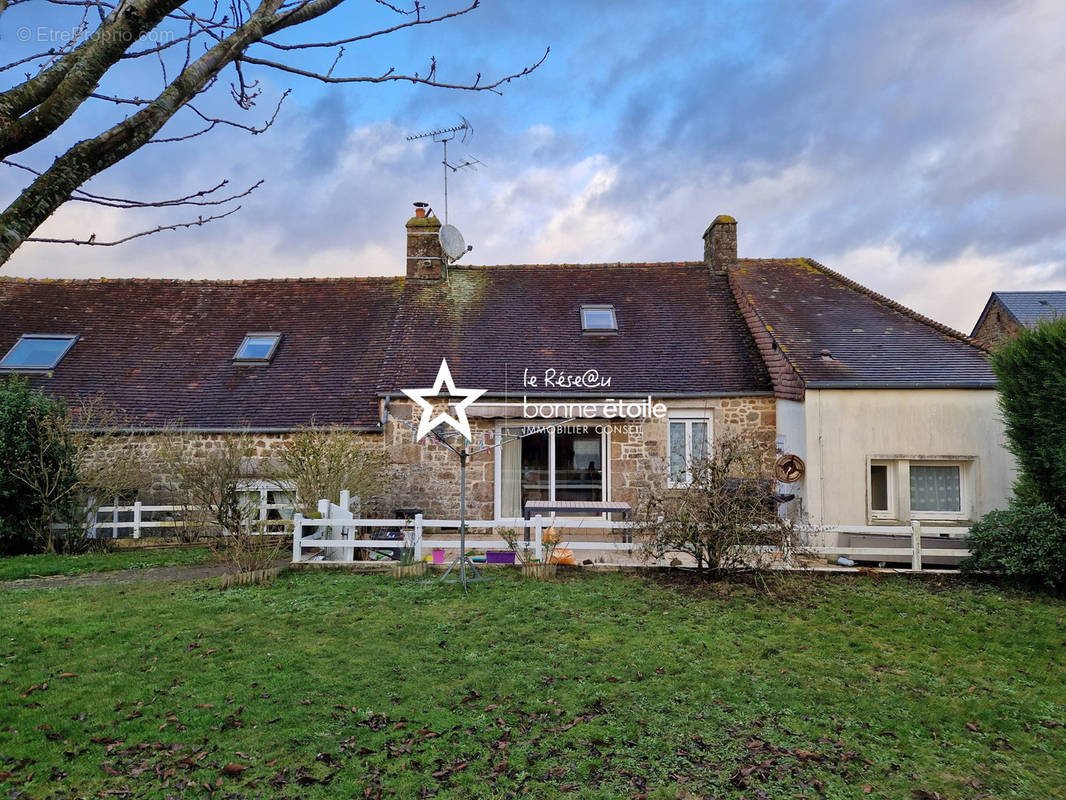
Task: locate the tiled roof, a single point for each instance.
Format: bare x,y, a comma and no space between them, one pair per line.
678,330
161,351
1028,308
800,309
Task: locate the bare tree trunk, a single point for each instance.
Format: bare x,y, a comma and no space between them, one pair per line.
55,94
90,157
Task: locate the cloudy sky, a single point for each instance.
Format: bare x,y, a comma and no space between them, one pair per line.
918,147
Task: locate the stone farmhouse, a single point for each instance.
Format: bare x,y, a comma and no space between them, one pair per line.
890,415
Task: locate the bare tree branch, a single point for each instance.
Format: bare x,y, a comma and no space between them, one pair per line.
213,122
132,101
176,226
194,199
27,59
391,75
54,100
89,157
69,75
383,32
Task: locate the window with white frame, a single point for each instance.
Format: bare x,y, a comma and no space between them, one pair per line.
271,504
883,490
688,440
930,489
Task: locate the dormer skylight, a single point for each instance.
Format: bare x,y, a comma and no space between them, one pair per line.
257,348
37,352
598,319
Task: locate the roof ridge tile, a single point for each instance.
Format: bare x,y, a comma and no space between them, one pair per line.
595,265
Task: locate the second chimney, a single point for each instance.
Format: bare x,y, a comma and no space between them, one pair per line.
425,258
720,244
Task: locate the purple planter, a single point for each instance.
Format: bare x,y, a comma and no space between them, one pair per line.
499,557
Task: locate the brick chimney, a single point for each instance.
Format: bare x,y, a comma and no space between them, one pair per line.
720,244
425,258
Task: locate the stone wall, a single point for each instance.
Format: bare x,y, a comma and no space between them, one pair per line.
152,450
427,475
638,461
997,326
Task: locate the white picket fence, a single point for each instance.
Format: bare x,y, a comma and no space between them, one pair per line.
139,525
336,533
914,552
344,527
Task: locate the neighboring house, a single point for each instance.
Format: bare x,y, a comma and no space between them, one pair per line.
894,414
1006,313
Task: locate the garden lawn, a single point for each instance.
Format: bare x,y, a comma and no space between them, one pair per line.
17,567
326,685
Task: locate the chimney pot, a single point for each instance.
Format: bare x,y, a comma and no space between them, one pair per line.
720,244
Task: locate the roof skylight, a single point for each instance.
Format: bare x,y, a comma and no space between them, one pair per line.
598,319
37,351
257,348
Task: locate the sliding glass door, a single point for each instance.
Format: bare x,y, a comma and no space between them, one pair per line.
559,463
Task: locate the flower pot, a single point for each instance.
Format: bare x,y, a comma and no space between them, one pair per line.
539,572
415,570
499,556
438,556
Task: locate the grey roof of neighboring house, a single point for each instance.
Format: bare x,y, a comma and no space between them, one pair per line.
1028,308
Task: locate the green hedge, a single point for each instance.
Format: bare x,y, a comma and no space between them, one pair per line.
29,444
1026,543
1031,369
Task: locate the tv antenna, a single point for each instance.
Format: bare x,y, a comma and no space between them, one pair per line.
444,135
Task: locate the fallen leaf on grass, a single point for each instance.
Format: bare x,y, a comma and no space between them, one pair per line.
973,726
67,675
233,768
37,687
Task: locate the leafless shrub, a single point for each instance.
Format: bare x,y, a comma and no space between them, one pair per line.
320,462
208,488
724,518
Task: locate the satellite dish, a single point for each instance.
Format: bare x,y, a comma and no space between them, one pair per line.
451,242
